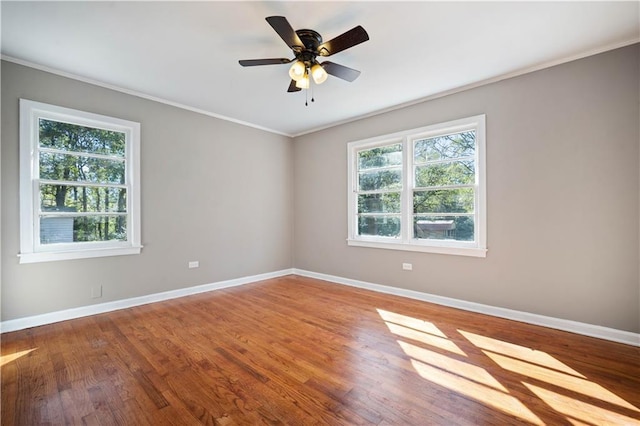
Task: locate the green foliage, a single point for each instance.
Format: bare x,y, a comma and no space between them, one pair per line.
444,161
86,199
379,203
456,145
390,155
374,180
73,167
68,164
445,174
380,170
72,137
385,226
443,201
87,228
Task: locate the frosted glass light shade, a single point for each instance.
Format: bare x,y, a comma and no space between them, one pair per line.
319,74
297,70
303,83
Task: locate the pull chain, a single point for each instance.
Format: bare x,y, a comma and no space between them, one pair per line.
306,91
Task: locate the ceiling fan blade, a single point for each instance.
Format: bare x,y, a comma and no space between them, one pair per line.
254,62
285,31
344,41
292,87
340,71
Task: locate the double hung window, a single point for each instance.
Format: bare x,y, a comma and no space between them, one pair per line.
79,184
420,190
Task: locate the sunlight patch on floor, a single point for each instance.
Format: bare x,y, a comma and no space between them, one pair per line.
568,392
580,412
497,399
418,330
410,322
564,381
520,352
427,339
5,359
542,366
467,371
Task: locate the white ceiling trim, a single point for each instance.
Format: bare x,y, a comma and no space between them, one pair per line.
136,93
485,82
350,120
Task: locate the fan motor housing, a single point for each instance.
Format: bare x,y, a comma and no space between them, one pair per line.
311,39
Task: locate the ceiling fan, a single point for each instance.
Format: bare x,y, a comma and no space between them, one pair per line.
307,45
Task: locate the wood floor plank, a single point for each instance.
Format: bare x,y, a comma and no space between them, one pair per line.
296,350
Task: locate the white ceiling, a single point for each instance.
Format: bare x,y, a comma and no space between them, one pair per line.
187,53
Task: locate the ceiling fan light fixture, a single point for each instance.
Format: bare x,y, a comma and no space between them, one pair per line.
303,83
297,71
319,74
306,45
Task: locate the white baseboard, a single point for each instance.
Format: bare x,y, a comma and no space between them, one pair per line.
84,311
600,332
591,330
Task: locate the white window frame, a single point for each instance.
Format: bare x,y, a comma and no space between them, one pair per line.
406,240
31,250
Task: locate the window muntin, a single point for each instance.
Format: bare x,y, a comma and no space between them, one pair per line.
420,190
79,184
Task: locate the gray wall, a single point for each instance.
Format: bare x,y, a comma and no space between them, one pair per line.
563,196
212,191
563,182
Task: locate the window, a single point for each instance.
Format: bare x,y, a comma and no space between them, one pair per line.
420,190
79,184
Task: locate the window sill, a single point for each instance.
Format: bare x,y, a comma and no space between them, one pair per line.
83,254
458,251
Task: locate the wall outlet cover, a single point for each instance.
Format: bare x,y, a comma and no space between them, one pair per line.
96,291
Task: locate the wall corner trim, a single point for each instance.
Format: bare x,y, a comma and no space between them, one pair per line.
84,311
591,330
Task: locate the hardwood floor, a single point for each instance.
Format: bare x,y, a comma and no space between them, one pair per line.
300,351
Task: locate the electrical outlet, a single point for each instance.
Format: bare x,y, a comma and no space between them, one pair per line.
407,266
96,292
194,264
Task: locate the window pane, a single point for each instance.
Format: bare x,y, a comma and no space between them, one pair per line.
442,174
65,229
379,203
380,179
82,198
78,168
382,226
72,137
442,147
443,201
380,157
459,228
